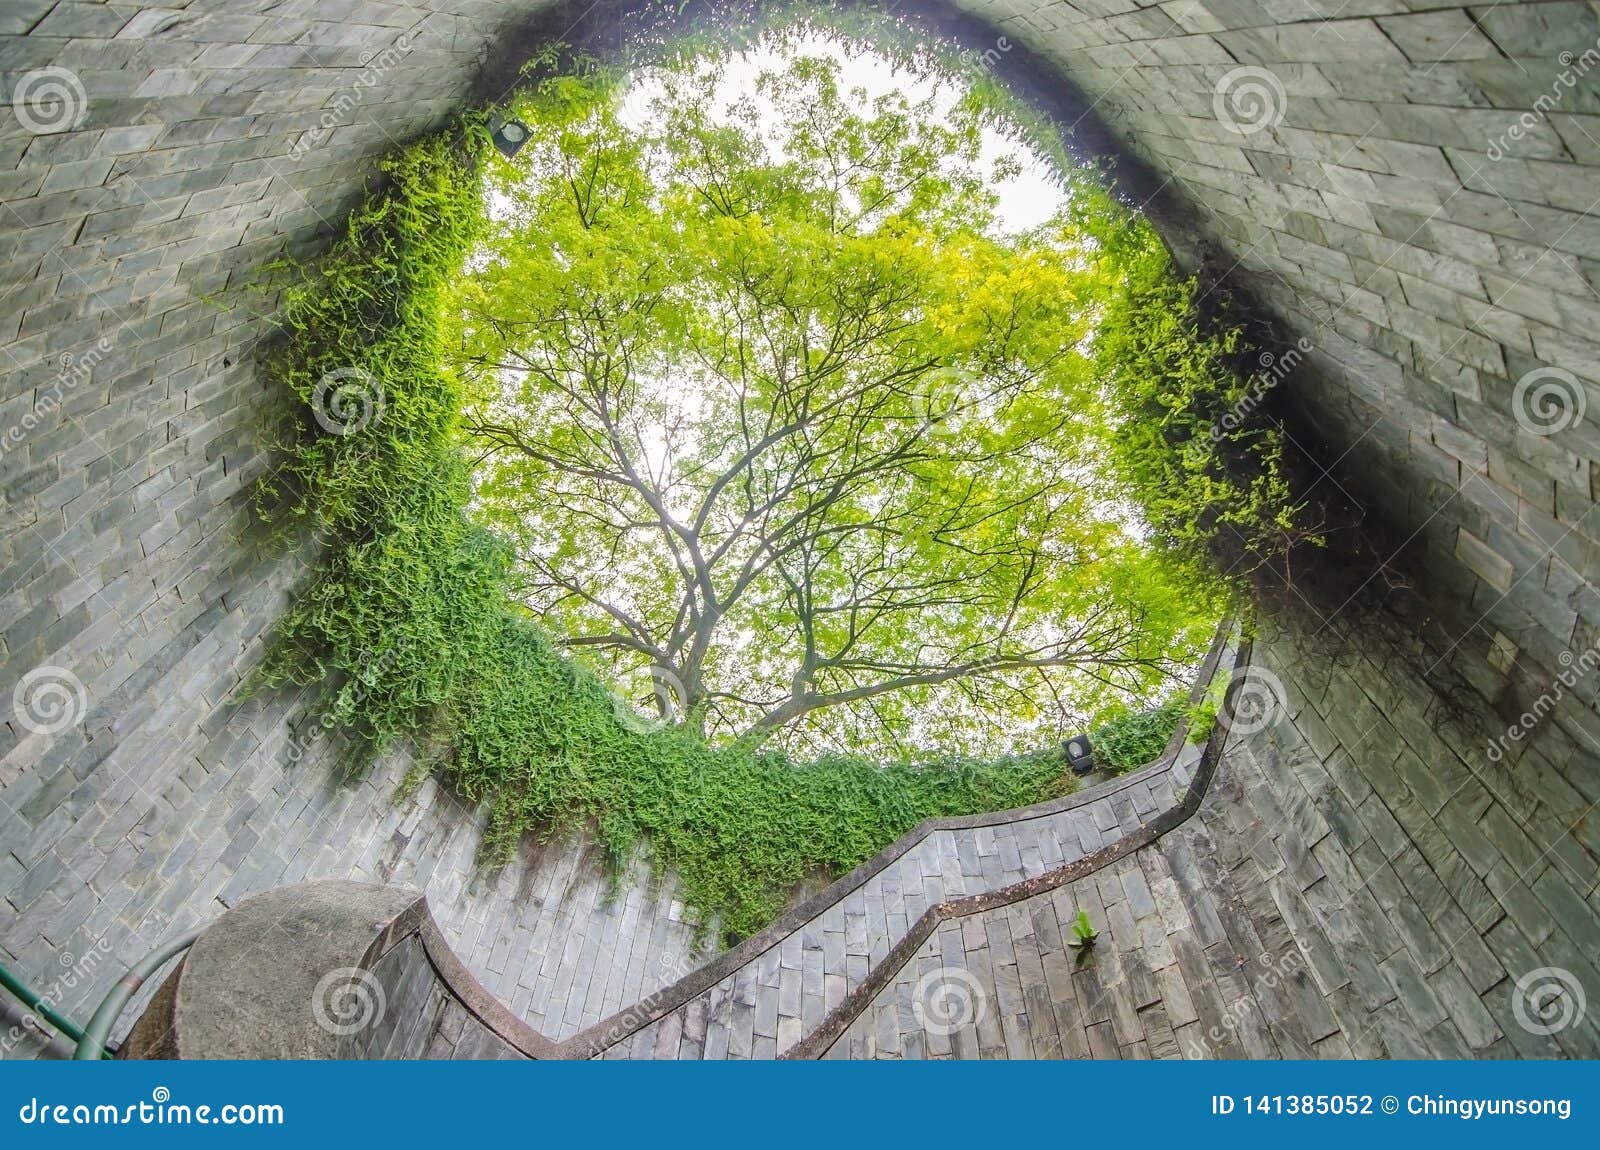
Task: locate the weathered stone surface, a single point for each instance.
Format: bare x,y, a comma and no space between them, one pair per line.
328,969
1387,957
129,410
255,985
1414,205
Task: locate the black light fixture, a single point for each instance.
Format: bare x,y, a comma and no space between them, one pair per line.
1080,754
508,135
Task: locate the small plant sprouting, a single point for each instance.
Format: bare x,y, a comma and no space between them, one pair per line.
1083,932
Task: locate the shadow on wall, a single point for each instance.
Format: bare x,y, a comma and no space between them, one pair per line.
1364,553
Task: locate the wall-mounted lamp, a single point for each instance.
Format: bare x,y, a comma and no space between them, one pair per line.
508,135
1080,754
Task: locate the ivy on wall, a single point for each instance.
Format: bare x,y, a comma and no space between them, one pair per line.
409,611
410,621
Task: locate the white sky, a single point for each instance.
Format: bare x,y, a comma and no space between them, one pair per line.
1025,201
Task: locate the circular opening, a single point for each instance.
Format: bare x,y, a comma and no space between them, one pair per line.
784,391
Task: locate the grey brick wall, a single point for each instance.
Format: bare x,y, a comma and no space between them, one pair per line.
202,138
1412,190
1360,881
213,135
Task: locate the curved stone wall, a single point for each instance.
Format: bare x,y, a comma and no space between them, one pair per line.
213,136
1409,185
1365,211
1355,883
1305,886
331,969
342,969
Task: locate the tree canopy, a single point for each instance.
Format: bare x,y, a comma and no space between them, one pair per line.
1016,391
791,436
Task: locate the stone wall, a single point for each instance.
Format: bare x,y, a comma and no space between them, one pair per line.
333,969
1360,881
213,136
1339,873
1429,279
1367,169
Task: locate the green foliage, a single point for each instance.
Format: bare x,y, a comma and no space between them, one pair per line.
1083,932
408,591
767,401
413,615
1186,400
1130,741
1202,715
1190,433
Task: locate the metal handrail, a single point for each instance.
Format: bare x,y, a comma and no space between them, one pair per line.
92,1045
37,1005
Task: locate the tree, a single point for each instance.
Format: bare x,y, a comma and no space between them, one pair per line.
775,415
